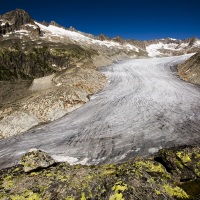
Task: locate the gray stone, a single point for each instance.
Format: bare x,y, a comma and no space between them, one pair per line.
36,159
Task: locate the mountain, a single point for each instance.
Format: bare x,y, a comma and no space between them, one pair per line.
18,28
47,70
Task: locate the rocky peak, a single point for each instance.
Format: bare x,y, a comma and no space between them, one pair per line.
103,37
14,20
119,39
44,23
17,17
54,24
191,41
71,28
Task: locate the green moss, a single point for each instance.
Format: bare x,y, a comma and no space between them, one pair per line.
185,158
176,192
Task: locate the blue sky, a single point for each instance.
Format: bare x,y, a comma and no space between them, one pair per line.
140,19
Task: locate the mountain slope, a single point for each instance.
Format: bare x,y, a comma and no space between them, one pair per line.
190,70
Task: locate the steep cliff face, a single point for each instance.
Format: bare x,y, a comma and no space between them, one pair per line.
190,70
20,64
16,20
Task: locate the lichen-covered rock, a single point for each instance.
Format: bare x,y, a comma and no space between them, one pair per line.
140,178
183,164
36,159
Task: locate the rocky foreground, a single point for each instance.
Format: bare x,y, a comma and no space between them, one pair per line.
170,174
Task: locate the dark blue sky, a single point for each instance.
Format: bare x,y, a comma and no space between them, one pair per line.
140,19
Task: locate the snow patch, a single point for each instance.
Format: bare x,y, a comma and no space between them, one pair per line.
154,149
197,43
61,158
153,49
31,25
83,162
173,39
23,32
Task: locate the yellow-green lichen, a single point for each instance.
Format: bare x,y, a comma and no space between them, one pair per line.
118,188
16,169
197,155
157,192
109,172
197,172
150,166
176,191
34,173
117,196
83,196
70,198
185,158
29,195
7,182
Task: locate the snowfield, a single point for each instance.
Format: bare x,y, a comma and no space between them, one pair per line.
145,107
52,30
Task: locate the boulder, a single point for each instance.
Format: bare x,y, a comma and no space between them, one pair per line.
36,159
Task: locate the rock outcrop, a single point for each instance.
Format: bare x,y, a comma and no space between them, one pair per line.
13,20
171,174
190,70
36,159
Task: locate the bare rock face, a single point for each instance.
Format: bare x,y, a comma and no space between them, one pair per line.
36,159
13,20
103,37
190,70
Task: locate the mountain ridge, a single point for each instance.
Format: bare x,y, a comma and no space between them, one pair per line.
21,20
